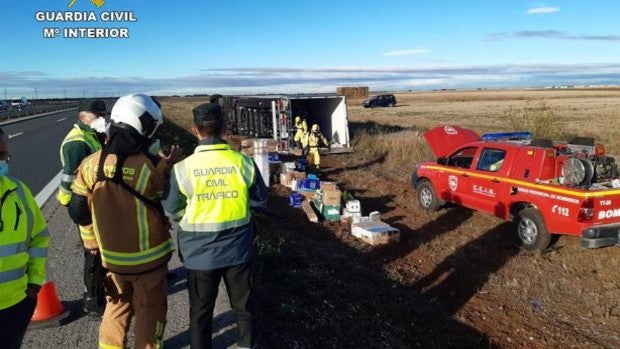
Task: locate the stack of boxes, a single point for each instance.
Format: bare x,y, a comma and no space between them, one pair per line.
326,200
247,146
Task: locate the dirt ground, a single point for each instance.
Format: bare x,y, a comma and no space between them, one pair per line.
456,279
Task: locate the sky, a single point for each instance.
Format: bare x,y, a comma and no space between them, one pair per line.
282,46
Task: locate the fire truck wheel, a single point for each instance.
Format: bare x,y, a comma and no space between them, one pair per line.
427,198
531,231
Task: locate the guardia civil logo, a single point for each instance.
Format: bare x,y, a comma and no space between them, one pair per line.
97,3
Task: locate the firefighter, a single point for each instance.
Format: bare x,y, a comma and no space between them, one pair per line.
312,141
301,128
23,252
80,142
119,189
210,193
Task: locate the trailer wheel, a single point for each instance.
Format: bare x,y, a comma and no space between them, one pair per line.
427,197
531,231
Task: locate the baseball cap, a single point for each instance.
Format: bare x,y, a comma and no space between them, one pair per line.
95,106
208,114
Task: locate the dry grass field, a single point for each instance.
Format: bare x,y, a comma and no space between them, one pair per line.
456,279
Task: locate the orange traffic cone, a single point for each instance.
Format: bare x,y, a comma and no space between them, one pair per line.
49,311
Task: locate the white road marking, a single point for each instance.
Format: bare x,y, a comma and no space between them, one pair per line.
48,190
59,120
15,135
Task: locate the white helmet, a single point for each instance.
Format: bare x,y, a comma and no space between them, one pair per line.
139,111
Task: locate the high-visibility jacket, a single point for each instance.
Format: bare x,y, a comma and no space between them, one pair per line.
23,242
133,235
210,193
80,142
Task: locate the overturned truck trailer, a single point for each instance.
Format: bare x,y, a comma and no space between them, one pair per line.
273,117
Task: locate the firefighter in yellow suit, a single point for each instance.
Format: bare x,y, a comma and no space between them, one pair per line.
119,189
312,141
301,128
23,251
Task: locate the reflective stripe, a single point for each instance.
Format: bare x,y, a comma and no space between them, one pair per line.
248,172
107,346
29,214
45,233
37,252
184,183
67,178
12,275
13,249
143,224
159,334
142,257
213,227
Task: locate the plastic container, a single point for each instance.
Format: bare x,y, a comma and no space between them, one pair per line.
261,158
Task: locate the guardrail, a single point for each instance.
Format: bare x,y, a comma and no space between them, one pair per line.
32,110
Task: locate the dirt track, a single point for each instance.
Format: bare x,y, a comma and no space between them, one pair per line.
456,279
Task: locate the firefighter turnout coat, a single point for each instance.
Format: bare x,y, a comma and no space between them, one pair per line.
132,233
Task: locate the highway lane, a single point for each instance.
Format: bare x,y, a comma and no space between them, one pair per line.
35,145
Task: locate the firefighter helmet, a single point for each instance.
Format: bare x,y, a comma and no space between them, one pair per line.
297,119
139,111
315,128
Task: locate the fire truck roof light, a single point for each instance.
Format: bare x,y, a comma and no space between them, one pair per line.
507,135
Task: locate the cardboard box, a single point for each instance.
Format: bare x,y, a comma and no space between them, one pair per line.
375,232
329,185
331,197
287,167
308,194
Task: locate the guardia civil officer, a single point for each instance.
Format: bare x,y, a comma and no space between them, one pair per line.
81,141
23,252
210,193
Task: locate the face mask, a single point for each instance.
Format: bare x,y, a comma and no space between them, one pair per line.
4,168
99,125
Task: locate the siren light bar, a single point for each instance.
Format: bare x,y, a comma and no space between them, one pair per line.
520,135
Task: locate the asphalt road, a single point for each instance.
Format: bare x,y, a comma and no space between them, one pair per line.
34,145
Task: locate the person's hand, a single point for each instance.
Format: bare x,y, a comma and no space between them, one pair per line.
94,251
174,156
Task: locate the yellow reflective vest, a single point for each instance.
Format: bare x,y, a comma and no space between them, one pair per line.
23,242
216,181
77,134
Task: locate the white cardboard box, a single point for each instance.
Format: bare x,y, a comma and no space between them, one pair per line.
375,232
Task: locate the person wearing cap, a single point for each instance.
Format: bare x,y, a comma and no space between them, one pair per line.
210,193
118,189
81,141
24,239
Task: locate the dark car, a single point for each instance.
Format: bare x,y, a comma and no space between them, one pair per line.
4,106
380,101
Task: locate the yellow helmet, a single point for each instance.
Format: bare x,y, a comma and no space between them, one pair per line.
315,127
297,119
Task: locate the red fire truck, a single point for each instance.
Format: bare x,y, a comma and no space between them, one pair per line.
547,187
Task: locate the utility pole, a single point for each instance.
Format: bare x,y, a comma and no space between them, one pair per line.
5,97
83,93
36,94
64,93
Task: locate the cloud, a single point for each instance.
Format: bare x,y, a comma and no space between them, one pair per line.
550,34
406,52
241,80
542,10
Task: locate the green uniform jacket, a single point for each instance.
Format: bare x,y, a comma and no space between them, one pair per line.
23,242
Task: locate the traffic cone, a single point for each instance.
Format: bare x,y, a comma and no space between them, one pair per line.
49,311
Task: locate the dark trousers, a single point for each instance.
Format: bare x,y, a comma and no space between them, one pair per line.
14,321
94,274
202,287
